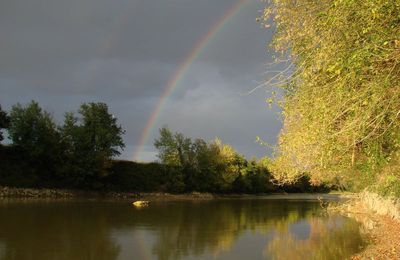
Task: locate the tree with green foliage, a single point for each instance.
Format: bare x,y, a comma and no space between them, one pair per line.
102,133
77,154
342,95
212,167
208,166
91,141
177,152
230,162
33,130
34,133
257,179
174,148
4,122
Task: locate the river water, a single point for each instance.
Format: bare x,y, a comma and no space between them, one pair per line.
217,229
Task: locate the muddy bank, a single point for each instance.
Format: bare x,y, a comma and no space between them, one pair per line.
380,224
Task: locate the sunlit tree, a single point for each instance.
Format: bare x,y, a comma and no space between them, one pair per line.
341,85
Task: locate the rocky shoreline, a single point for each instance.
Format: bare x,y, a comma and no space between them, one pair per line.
11,192
26,193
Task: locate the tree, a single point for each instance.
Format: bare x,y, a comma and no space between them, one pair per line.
207,173
34,134
231,162
342,92
4,122
102,133
203,166
91,141
174,148
176,152
33,130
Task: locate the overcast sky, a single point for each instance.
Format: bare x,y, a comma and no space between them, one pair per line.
123,52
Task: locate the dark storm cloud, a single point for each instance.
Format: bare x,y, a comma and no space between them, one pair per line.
123,52
213,109
83,29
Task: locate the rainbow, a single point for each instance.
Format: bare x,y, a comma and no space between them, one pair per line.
182,69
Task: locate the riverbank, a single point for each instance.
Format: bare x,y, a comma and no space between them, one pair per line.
9,192
380,224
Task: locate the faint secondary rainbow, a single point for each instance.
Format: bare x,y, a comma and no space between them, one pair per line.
182,69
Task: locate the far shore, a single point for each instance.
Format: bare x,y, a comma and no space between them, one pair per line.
26,193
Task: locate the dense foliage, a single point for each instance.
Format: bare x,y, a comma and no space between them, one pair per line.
197,165
342,96
76,154
81,153
90,143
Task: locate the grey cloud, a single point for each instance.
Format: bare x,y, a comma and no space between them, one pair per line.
124,52
214,108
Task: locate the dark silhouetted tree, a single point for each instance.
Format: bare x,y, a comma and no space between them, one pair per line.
34,133
91,141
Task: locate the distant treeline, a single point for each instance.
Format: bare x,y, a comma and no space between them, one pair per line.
79,154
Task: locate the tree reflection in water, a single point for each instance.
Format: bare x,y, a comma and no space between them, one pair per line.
215,229
49,231
328,239
174,230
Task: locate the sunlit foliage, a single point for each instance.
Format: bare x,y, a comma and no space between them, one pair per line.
209,166
342,97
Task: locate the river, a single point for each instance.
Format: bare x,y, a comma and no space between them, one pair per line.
214,229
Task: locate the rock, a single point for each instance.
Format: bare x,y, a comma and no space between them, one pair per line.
141,203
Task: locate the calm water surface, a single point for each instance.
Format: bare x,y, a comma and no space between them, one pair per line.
221,229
